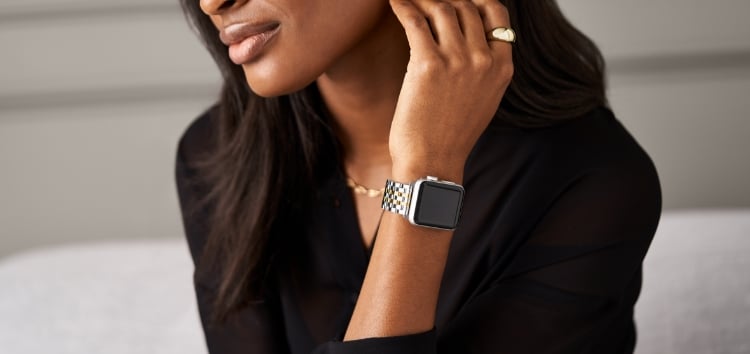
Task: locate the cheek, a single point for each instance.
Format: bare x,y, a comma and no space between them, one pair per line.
296,57
313,37
281,71
291,63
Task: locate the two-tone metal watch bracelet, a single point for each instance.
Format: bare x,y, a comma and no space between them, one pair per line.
396,197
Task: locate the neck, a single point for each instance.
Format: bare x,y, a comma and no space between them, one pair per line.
361,90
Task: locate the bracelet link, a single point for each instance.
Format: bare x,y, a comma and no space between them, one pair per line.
396,197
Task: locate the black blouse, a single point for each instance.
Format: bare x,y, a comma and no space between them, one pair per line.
547,257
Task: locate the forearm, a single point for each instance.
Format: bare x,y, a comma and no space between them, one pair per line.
451,91
400,290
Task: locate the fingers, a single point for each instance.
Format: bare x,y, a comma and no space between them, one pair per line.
494,14
415,24
442,18
453,24
444,22
471,23
455,30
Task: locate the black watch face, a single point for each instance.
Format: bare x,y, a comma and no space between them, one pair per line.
439,205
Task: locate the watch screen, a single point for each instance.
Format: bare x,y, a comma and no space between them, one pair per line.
439,205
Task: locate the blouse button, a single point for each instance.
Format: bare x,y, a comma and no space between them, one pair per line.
336,202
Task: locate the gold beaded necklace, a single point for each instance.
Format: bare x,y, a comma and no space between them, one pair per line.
360,189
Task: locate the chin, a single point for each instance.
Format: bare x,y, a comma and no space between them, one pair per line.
274,81
268,92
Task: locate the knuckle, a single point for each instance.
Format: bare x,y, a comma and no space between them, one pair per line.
431,64
483,61
507,71
460,4
465,5
498,8
415,20
443,8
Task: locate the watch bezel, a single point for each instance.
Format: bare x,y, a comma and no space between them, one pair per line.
416,195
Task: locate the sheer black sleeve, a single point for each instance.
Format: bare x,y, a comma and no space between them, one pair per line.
574,276
566,285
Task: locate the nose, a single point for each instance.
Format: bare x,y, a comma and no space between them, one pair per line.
216,7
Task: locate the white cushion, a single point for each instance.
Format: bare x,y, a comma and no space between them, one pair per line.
696,288
115,297
137,296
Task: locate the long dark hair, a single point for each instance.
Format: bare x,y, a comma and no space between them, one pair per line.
262,167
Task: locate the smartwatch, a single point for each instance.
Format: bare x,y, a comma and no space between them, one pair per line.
427,202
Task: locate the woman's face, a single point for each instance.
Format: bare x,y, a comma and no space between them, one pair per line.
284,45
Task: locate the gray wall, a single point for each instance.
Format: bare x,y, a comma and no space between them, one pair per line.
680,81
94,94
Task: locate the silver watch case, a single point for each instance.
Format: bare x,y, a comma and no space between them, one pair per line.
416,199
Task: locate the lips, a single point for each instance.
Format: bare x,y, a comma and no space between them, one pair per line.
246,40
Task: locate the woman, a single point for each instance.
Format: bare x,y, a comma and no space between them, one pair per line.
529,239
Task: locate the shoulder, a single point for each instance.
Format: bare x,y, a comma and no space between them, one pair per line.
596,138
193,145
599,147
595,141
592,161
195,141
197,138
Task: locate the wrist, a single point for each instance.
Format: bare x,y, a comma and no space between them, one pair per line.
409,172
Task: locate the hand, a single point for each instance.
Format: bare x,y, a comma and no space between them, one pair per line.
454,82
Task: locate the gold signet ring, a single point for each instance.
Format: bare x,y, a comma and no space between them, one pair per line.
502,34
